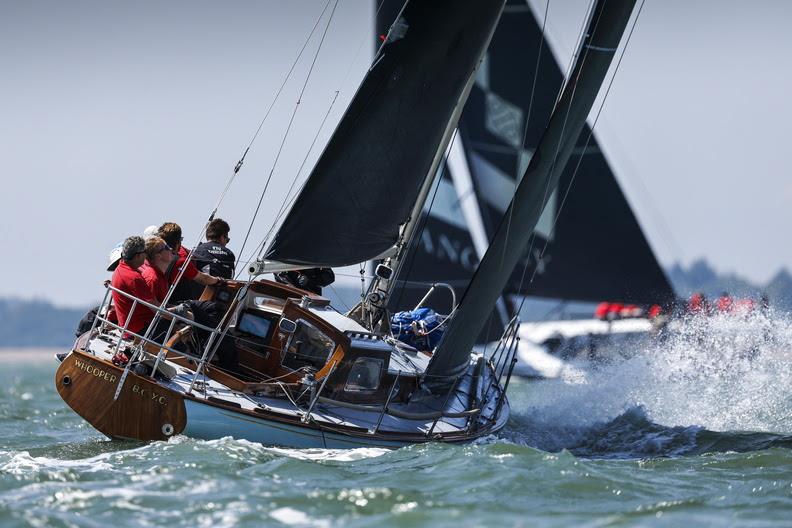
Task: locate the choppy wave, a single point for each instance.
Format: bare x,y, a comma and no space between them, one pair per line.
695,428
721,383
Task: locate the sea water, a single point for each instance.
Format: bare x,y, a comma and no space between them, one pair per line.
695,429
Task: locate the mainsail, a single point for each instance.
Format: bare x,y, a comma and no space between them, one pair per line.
369,176
537,185
597,250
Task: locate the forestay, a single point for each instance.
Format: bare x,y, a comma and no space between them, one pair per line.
369,176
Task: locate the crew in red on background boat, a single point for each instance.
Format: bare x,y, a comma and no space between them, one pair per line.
610,311
698,304
601,311
725,303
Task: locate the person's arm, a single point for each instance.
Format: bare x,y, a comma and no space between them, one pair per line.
207,280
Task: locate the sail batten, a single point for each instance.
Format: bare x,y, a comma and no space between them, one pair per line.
540,180
369,176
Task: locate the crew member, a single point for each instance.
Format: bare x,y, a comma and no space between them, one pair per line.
698,304
212,256
208,313
725,303
159,257
171,233
128,279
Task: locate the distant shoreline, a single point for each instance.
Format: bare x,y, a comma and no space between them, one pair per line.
19,354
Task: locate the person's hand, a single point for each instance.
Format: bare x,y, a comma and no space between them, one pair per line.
221,282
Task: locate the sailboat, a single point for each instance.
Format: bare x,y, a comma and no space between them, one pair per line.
308,375
587,247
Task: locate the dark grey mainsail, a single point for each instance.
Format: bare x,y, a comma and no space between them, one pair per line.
540,181
369,176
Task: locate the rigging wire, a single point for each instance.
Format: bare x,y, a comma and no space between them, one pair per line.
285,206
290,199
517,174
546,196
580,159
518,153
576,49
360,46
283,84
288,128
419,233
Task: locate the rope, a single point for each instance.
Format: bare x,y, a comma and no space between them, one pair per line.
283,84
288,128
286,205
290,199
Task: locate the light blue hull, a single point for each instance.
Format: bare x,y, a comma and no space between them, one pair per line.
208,422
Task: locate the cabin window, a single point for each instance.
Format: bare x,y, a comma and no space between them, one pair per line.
364,376
255,325
307,347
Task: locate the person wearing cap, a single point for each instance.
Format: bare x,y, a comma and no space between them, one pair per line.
171,233
150,231
213,257
114,257
128,279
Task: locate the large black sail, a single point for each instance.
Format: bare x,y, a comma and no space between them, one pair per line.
597,250
369,176
540,180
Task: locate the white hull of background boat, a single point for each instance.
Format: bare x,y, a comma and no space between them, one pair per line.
552,349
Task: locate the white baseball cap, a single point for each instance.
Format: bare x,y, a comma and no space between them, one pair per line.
150,231
114,257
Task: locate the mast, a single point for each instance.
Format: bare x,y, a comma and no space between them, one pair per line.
606,26
372,311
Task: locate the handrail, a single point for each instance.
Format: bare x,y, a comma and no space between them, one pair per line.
432,289
161,310
144,339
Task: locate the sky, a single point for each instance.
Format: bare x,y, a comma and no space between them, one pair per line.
118,115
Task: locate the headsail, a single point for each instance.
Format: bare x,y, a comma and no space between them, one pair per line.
597,227
539,182
370,174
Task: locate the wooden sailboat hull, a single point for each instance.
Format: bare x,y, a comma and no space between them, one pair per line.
144,410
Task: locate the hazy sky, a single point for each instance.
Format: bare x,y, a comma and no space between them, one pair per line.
118,115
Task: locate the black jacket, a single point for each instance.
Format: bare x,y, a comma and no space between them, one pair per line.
214,259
